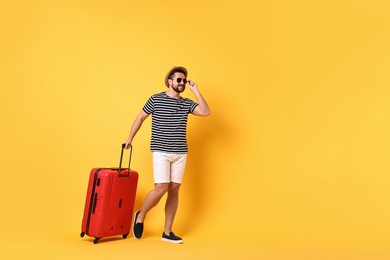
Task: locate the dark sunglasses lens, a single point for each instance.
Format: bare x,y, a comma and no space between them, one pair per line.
180,79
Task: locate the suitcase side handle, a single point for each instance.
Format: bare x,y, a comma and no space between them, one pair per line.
120,161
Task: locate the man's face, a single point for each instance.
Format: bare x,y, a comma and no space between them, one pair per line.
179,87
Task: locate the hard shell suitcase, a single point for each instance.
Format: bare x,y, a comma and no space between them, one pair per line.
110,201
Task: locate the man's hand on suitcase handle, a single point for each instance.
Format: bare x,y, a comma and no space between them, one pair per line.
127,144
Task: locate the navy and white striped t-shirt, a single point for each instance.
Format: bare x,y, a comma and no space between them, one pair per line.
169,122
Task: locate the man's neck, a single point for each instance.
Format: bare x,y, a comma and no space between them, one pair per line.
173,93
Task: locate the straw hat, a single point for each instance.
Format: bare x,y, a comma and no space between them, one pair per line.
173,70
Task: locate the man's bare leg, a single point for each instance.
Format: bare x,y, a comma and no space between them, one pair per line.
171,206
152,200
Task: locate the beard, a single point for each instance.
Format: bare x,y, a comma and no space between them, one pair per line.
179,88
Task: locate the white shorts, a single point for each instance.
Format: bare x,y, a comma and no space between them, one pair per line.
169,167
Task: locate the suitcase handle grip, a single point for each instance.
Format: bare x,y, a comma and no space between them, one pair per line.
120,161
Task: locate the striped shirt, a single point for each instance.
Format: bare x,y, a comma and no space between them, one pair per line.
169,122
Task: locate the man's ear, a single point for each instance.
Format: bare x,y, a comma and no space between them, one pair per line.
169,82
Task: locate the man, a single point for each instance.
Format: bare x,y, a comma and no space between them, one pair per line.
168,145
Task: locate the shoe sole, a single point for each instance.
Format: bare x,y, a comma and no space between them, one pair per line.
172,241
134,222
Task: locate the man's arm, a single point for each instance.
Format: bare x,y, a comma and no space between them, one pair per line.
136,126
203,108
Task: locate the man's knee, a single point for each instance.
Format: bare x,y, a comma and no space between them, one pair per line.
161,188
173,188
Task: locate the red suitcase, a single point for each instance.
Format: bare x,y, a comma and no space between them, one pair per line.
110,201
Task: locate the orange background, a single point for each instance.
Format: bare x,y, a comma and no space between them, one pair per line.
293,163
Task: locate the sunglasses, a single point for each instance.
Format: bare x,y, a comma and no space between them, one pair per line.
181,79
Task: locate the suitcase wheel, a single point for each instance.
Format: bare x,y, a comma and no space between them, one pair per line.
82,234
96,240
125,236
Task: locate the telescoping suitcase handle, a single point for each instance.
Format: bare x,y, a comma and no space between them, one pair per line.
120,161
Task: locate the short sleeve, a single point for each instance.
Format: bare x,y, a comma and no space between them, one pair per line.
149,106
193,105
